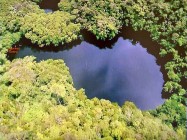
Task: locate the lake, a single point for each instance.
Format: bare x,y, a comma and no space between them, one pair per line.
118,70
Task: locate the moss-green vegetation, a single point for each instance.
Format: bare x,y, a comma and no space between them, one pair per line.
165,20
38,101
49,107
167,23
25,17
44,29
102,18
12,11
6,41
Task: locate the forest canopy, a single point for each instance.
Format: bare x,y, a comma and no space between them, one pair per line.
38,101
49,107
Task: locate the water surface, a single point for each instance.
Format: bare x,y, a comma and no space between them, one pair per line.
48,10
49,4
125,71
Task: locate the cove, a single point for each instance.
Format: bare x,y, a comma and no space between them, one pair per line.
118,70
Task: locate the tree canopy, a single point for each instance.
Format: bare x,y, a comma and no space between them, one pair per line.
38,101
50,100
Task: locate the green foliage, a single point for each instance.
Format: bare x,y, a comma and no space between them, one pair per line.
11,11
54,28
41,28
48,107
102,18
37,1
177,113
6,42
165,20
38,101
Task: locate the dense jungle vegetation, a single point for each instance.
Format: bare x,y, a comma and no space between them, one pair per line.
38,100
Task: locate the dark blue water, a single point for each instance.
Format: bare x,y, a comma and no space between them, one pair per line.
127,72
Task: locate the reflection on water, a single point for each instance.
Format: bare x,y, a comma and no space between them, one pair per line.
125,72
48,10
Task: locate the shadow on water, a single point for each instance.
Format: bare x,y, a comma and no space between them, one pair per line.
49,5
34,48
118,70
91,38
